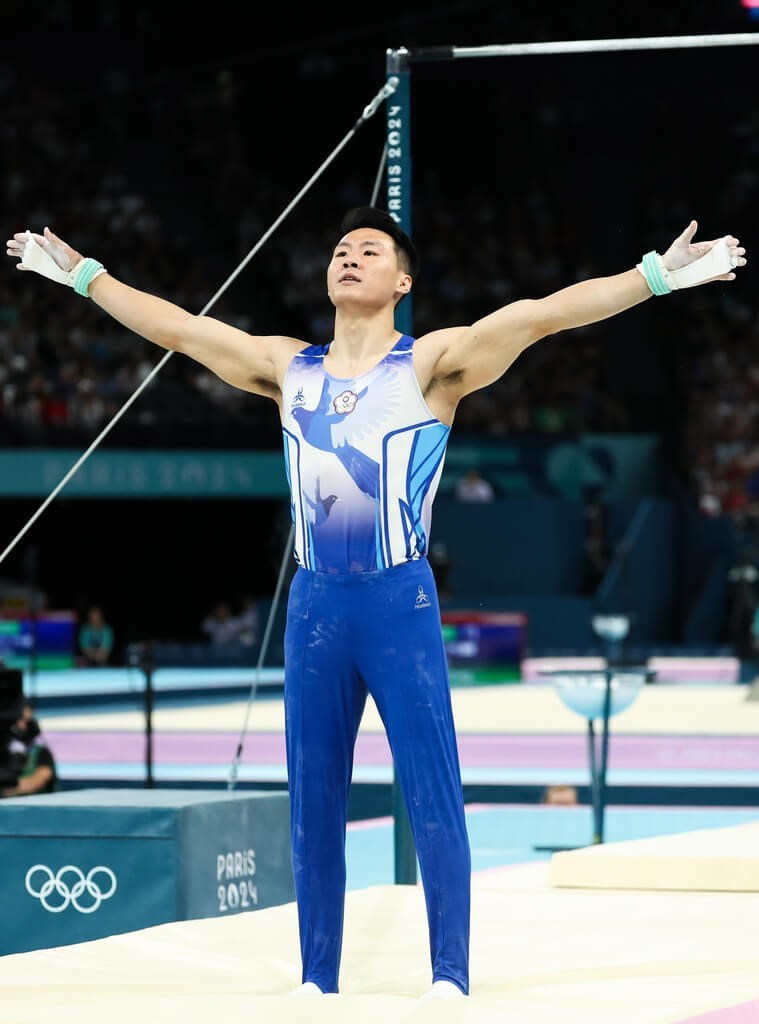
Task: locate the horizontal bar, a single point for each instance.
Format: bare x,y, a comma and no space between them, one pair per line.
584,46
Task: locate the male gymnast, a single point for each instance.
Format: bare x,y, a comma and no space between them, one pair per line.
365,423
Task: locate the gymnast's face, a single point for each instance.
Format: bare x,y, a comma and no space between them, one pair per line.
364,272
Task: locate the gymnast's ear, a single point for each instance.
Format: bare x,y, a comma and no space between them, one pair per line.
405,283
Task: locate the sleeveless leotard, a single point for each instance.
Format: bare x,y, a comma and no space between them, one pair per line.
364,458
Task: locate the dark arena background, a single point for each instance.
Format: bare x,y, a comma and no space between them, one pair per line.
600,609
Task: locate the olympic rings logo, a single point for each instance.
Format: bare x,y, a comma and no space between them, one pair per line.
64,893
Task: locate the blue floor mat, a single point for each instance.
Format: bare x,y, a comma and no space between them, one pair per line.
513,834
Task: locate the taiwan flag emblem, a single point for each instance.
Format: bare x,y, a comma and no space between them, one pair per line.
345,402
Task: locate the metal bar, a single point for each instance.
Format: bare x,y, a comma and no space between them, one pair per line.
439,53
604,755
594,782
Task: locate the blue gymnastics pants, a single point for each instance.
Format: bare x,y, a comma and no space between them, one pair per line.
346,636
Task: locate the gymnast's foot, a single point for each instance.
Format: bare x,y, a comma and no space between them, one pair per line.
308,988
443,990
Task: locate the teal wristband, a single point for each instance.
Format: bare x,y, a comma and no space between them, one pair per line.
84,274
652,273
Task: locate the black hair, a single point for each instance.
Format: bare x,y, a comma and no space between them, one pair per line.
373,217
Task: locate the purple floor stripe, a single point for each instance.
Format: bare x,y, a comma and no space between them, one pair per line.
717,753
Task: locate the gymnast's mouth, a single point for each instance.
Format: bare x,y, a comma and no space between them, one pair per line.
350,277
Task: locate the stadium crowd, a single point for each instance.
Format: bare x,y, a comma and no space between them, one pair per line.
175,209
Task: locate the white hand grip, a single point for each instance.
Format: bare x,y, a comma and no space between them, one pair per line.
35,258
714,263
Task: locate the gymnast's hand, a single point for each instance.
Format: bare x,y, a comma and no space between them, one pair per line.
684,251
64,257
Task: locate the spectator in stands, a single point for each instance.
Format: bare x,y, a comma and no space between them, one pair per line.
95,638
474,488
221,625
247,622
36,770
560,795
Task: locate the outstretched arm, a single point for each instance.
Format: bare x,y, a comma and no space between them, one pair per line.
247,362
475,356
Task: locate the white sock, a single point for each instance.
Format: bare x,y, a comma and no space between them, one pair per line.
308,988
443,989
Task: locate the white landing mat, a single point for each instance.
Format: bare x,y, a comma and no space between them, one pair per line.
539,954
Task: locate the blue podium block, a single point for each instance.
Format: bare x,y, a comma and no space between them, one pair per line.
84,864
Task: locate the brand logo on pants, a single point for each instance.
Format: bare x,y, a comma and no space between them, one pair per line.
70,886
422,601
